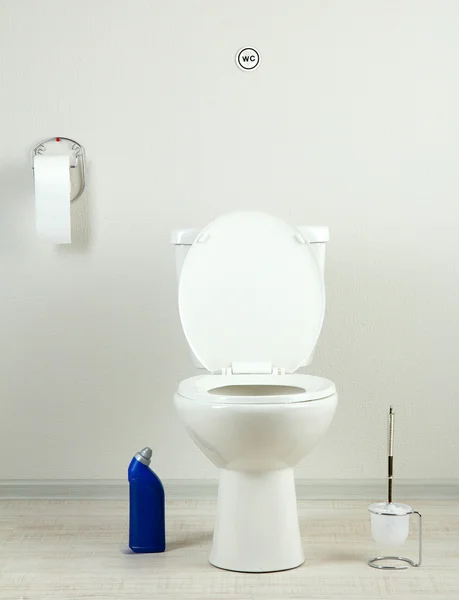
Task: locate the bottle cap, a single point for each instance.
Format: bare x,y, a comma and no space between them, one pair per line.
144,456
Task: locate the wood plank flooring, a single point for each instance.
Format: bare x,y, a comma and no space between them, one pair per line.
69,550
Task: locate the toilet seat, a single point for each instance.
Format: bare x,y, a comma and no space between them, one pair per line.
202,388
251,296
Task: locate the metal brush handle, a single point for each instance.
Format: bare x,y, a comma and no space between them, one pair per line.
390,452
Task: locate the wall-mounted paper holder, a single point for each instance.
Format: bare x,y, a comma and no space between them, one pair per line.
64,146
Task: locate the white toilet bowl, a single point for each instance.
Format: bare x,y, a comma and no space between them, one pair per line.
252,302
256,431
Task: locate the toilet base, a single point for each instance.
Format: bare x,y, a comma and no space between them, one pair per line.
256,527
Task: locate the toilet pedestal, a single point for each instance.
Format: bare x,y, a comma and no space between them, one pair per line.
256,528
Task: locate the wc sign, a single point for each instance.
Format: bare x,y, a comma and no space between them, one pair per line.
248,59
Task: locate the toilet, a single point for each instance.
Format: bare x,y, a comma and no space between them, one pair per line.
251,302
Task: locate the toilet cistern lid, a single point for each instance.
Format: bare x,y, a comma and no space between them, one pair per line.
251,295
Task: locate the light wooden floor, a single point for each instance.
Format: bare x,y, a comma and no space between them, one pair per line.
77,549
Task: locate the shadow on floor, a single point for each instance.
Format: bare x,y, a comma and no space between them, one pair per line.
188,542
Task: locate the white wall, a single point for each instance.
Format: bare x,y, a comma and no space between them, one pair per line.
352,120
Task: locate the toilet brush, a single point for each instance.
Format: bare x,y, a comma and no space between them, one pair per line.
390,520
390,458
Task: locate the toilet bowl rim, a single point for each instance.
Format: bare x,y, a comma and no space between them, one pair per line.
197,388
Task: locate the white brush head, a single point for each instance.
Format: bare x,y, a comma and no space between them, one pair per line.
390,523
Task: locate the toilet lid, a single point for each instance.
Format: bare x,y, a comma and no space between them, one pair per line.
251,294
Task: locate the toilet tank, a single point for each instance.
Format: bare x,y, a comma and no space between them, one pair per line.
316,235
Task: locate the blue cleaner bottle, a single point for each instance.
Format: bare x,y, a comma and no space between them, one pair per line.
147,527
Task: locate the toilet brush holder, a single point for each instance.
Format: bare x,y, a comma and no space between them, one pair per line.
390,526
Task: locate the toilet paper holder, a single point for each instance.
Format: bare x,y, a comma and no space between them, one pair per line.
76,155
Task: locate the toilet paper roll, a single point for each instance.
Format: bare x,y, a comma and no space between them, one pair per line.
52,198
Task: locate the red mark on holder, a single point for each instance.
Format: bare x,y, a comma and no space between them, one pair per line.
58,139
